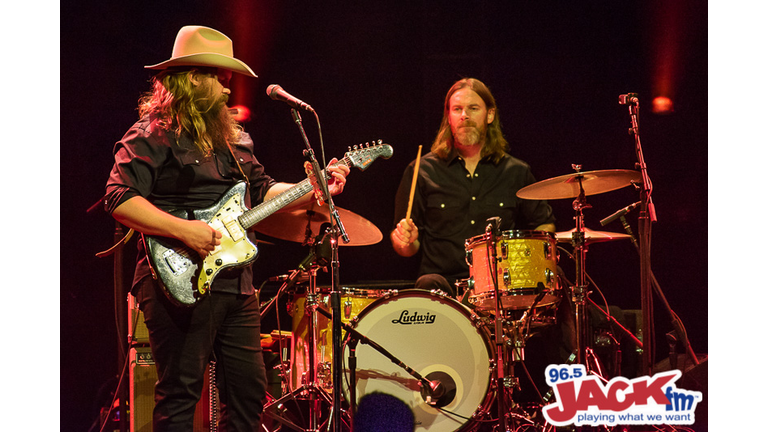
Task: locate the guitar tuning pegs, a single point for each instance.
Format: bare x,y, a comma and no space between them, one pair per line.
379,142
350,148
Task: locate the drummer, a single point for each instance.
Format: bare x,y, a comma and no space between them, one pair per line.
467,178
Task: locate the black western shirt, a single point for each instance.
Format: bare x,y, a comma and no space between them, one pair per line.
451,206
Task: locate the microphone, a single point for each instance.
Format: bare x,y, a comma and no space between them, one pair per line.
619,213
276,92
494,224
628,99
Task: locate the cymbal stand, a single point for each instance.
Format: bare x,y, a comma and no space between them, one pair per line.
579,290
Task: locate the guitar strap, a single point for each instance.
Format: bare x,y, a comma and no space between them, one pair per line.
232,152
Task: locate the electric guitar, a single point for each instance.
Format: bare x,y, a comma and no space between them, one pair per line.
186,277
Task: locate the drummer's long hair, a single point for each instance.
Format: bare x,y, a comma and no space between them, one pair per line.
495,143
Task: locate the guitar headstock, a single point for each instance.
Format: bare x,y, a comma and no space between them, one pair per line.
361,156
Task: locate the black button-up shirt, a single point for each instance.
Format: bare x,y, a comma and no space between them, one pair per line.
173,175
451,206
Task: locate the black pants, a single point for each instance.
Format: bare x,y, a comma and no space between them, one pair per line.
223,327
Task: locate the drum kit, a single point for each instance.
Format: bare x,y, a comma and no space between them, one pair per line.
451,360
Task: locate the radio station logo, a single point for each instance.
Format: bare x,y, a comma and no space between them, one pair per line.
588,400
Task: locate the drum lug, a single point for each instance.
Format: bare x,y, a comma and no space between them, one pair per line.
468,256
506,278
438,293
503,251
550,276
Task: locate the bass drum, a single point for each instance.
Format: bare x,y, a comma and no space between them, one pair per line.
437,337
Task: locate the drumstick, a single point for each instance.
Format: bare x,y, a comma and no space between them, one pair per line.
413,184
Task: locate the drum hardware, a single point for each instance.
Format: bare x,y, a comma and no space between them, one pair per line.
310,388
579,185
504,381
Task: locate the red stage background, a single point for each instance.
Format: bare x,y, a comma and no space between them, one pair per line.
379,70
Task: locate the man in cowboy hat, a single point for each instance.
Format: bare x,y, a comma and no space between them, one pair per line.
185,152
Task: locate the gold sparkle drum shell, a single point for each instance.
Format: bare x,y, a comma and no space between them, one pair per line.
527,267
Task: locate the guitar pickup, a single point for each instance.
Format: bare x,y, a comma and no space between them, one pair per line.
236,233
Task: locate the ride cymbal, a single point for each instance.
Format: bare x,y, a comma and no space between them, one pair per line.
570,185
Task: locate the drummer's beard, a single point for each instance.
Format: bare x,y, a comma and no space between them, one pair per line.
468,134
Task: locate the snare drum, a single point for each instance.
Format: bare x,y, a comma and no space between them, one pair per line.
527,266
353,302
437,337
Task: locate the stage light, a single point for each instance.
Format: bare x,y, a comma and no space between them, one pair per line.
240,113
662,105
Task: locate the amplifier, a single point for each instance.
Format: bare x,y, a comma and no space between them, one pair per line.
143,376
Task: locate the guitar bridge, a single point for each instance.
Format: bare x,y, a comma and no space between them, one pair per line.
178,264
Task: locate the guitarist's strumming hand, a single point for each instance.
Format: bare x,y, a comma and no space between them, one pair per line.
338,177
201,237
141,215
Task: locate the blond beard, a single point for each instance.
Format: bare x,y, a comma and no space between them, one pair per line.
468,135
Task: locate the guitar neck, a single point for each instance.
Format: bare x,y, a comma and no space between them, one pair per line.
269,207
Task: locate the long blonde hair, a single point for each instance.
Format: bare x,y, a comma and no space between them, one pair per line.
495,143
173,99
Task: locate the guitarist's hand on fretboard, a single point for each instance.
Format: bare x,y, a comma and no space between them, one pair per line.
336,181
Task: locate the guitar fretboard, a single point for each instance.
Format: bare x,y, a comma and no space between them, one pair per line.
267,208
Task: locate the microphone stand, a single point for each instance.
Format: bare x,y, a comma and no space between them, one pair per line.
645,220
336,230
430,391
677,324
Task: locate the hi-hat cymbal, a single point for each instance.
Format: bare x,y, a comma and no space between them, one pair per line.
590,236
567,186
303,223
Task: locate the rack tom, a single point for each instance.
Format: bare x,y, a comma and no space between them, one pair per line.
527,267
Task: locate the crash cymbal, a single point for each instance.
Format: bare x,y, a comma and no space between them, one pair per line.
590,236
303,223
567,186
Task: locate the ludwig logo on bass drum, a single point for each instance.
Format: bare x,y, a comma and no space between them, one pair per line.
406,318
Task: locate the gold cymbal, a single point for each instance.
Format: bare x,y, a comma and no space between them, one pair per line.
303,223
590,236
570,185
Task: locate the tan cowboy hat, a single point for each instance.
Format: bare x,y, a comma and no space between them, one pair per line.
203,46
